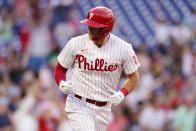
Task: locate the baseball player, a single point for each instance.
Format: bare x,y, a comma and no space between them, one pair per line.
97,60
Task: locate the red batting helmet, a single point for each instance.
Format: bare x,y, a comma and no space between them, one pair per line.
99,17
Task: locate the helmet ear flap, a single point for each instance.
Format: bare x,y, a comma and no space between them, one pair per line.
111,25
106,30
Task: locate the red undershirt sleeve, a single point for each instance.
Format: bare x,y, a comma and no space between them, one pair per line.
59,73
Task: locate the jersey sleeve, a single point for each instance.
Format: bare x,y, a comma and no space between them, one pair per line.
130,63
66,56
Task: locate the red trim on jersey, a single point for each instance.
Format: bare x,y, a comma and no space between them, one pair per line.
124,91
59,73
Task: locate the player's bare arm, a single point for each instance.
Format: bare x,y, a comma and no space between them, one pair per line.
131,82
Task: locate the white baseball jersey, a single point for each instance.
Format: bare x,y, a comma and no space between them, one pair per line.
95,69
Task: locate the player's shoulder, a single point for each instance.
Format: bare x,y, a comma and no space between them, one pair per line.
77,40
118,41
80,38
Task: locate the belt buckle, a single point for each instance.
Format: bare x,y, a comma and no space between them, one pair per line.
83,99
96,103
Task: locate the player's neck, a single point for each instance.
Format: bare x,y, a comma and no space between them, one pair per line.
102,42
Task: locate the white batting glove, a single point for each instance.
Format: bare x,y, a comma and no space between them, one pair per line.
66,87
117,97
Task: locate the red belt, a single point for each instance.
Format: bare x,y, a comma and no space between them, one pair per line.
97,103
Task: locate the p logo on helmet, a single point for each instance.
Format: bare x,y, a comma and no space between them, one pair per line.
91,15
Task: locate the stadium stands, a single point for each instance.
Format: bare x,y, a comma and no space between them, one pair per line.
137,17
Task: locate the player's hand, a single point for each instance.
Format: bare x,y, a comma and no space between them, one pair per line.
66,87
116,97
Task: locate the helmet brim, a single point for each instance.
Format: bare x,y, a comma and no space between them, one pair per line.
92,23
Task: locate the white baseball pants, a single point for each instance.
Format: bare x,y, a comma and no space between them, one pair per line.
84,116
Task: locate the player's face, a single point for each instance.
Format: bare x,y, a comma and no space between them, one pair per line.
93,31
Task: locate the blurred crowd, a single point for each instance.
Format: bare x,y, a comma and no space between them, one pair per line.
33,32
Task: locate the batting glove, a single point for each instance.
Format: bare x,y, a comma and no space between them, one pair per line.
116,97
66,87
